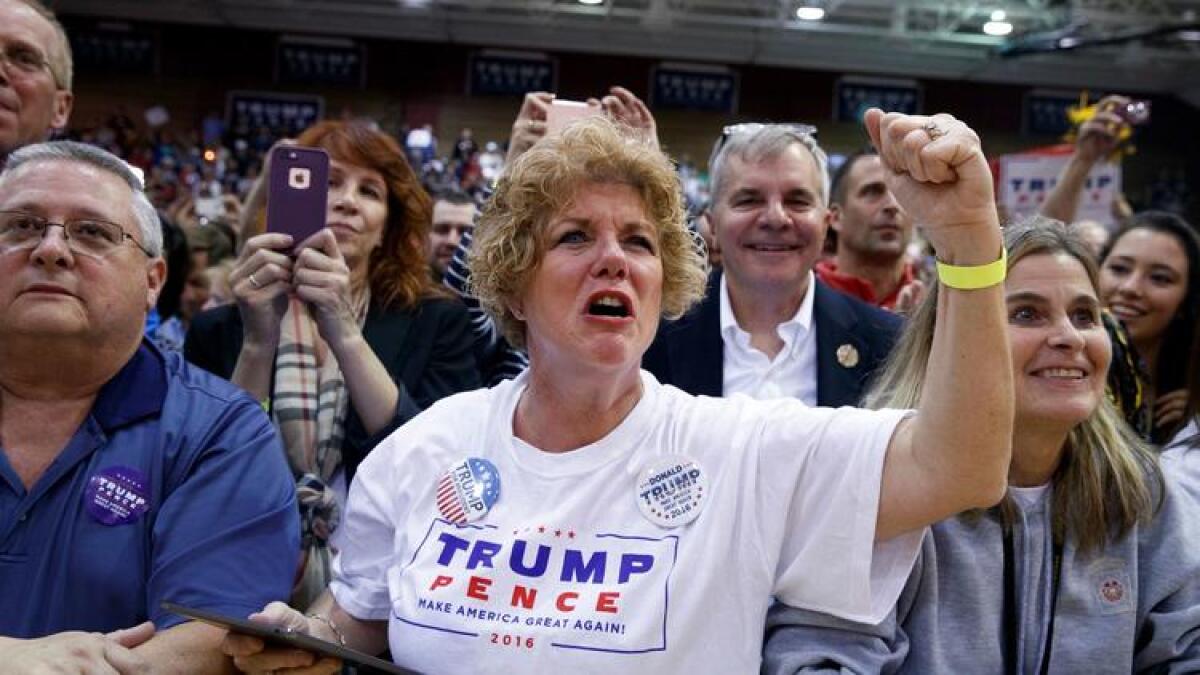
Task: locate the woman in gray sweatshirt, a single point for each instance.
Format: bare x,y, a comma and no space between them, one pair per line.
1092,562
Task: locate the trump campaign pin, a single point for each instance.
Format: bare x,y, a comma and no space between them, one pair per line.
118,495
672,490
468,490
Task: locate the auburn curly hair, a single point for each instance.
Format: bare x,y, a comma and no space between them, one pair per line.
397,270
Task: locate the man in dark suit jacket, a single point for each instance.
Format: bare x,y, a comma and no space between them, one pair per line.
769,216
853,339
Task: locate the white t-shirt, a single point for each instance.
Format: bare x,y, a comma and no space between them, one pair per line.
1029,498
565,574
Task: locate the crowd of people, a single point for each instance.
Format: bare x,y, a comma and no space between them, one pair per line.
536,413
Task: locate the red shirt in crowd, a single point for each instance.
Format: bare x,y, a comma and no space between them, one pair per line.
860,288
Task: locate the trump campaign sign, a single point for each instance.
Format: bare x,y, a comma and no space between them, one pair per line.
1025,179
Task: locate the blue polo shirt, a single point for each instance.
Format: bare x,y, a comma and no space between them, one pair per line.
175,488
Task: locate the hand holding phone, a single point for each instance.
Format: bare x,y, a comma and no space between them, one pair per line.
1135,113
297,191
210,207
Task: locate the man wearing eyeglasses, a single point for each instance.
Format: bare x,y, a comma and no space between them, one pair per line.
35,74
767,328
127,478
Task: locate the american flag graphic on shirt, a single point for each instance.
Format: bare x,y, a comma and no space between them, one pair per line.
467,490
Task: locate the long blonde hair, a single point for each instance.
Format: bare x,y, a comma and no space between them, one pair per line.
1109,479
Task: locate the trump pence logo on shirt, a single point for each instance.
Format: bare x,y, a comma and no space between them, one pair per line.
540,587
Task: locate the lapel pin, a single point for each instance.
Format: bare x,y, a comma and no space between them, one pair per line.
847,356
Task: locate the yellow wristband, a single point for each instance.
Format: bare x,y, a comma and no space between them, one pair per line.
969,278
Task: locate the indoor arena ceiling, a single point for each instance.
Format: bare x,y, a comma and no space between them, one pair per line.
1140,45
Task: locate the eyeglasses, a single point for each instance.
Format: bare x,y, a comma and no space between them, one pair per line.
803,130
25,59
87,236
754,127
807,134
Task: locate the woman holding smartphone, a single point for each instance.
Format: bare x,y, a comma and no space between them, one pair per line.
343,336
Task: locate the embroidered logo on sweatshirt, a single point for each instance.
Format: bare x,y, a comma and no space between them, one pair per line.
1113,592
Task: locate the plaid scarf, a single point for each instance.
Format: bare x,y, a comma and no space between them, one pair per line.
309,406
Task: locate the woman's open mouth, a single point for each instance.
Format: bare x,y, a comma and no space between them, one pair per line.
610,304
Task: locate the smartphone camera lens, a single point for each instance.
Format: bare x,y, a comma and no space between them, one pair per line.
1137,112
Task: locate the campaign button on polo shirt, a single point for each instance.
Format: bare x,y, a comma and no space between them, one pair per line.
57,561
148,502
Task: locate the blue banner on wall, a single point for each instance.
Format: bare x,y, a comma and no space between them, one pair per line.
331,63
853,96
283,114
505,74
114,52
683,88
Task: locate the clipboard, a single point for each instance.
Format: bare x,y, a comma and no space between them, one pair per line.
285,638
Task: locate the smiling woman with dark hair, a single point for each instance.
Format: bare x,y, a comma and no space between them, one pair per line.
1150,280
349,338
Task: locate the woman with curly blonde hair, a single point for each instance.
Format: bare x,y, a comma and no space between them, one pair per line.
585,517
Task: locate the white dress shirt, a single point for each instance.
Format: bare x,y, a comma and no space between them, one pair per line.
793,371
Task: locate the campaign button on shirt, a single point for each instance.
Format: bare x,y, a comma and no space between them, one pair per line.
672,490
118,495
468,490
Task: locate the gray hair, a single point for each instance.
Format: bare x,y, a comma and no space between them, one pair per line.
755,143
70,151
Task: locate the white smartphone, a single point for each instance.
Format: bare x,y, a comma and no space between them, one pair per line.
562,113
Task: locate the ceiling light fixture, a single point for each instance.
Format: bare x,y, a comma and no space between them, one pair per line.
999,25
997,28
591,2
809,13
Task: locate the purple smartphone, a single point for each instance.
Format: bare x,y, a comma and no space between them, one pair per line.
297,192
